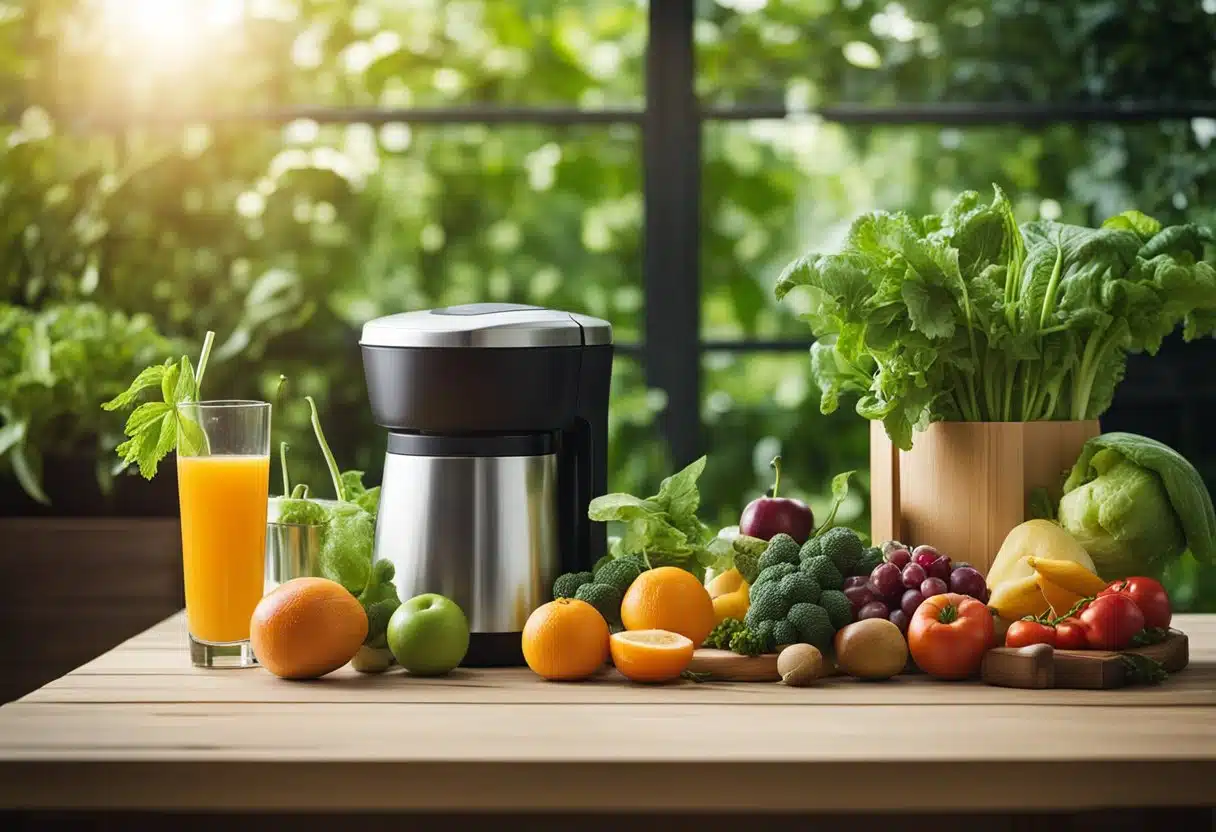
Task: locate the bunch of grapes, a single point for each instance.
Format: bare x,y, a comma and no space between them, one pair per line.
904,579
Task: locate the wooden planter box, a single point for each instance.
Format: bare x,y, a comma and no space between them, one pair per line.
964,485
72,588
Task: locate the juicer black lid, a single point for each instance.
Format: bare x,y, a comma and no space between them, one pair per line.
486,325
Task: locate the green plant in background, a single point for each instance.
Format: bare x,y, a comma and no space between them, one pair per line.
57,365
288,237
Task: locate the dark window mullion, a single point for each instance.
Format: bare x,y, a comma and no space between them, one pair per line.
672,169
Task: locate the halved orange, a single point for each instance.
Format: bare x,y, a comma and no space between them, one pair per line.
651,655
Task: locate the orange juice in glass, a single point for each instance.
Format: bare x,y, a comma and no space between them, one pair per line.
223,476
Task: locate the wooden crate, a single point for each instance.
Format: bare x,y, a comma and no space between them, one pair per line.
73,588
964,485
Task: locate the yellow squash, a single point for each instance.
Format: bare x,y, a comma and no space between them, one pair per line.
1017,598
1060,599
1067,574
1038,539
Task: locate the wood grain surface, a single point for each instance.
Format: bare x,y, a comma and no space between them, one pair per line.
139,728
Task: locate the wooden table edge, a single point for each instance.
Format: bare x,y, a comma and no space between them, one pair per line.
620,786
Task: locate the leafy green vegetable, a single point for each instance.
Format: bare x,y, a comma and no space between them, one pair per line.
379,599
1135,504
967,316
155,428
664,529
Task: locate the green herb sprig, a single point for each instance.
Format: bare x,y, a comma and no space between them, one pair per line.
155,429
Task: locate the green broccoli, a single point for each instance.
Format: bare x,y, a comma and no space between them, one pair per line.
719,637
843,547
748,642
813,548
781,549
800,587
774,573
747,551
869,559
620,572
784,633
604,597
839,610
824,572
567,585
380,601
767,603
813,624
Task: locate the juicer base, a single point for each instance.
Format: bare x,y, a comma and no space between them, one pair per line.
494,650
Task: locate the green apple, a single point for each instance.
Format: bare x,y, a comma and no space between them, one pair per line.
428,635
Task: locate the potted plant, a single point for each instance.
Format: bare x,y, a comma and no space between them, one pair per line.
57,365
985,351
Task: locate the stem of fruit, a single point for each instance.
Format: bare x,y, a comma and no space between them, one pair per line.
330,462
776,466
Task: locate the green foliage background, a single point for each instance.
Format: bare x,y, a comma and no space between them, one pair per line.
125,183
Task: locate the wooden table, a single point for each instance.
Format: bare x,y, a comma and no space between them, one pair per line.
138,728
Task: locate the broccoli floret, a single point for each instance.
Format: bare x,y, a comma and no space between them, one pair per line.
824,572
747,642
813,548
774,573
604,597
765,634
812,624
839,610
800,587
747,551
766,603
719,637
784,633
620,573
567,585
781,549
843,547
868,560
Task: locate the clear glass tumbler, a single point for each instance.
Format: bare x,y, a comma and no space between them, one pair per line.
223,478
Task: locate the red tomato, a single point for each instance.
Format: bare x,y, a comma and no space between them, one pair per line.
1025,633
1070,635
1149,595
949,635
1110,621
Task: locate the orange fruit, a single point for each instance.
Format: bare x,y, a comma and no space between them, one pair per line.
651,655
565,640
307,627
671,599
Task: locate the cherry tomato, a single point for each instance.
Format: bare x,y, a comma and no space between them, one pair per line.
1025,633
949,635
1070,635
1110,621
1149,595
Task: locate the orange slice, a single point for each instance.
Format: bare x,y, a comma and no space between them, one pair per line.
651,655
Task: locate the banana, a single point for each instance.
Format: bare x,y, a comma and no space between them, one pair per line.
1060,599
1068,575
1017,598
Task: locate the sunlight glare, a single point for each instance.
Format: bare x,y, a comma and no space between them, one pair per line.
167,29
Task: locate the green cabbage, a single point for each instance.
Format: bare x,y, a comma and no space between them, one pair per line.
1136,504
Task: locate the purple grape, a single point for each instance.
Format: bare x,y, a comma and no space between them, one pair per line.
911,600
900,619
933,586
899,557
892,544
967,581
886,580
859,596
856,580
874,609
913,575
940,568
925,555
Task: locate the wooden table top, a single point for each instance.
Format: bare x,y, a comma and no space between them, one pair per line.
139,728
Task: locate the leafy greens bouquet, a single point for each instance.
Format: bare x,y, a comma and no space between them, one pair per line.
967,316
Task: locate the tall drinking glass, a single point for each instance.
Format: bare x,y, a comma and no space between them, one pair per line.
223,476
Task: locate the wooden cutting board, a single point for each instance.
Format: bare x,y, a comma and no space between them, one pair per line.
1040,666
725,666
